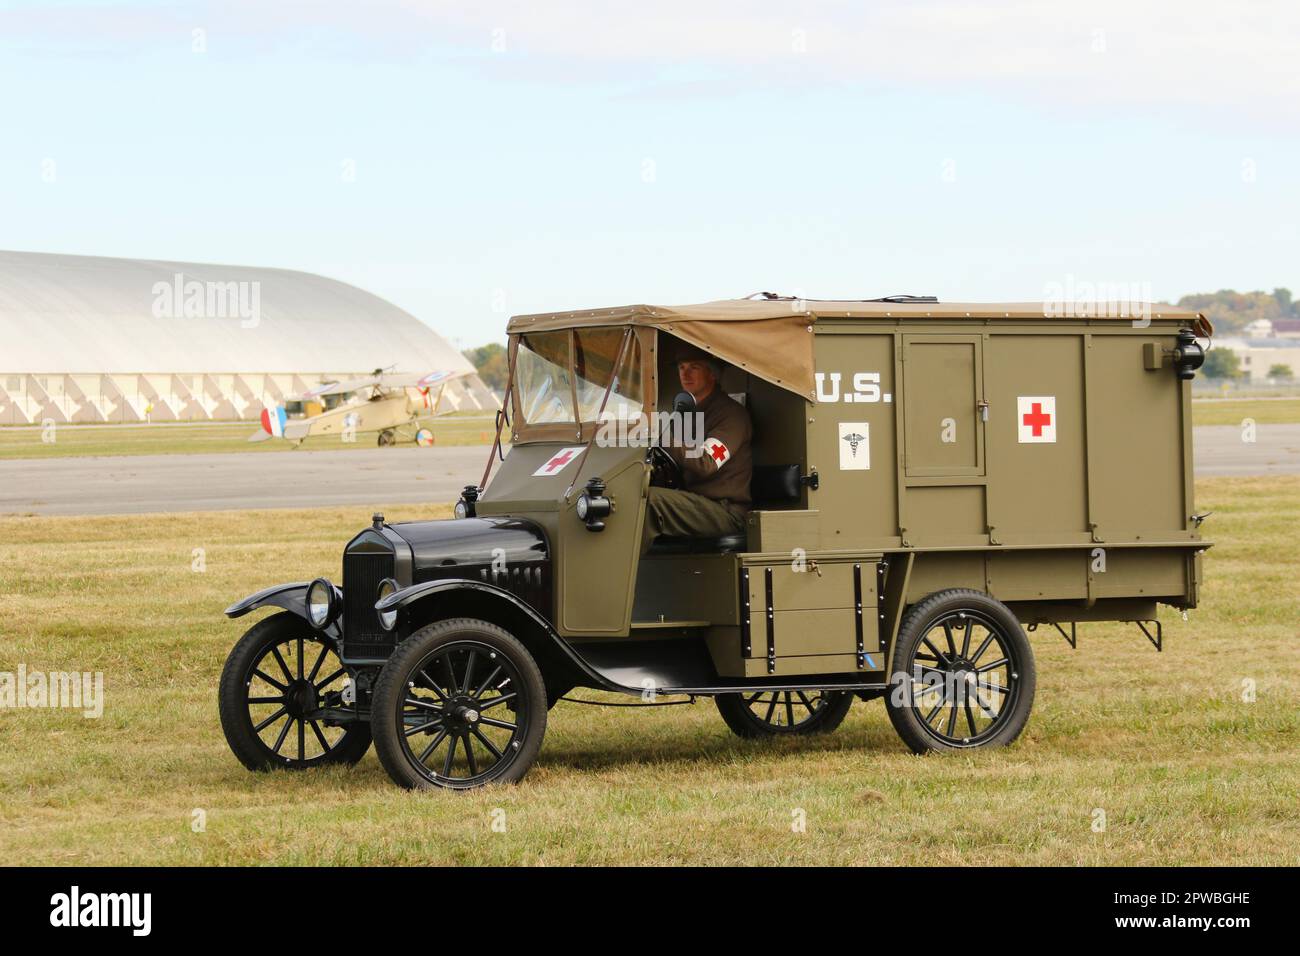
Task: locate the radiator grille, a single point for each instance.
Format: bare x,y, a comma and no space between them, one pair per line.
362,635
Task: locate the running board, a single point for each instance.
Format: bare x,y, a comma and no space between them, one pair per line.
656,625
667,667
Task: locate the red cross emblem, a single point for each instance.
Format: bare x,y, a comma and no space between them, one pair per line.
555,464
717,451
1037,418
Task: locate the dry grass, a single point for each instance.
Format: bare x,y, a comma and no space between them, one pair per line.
1280,411
1186,771
474,428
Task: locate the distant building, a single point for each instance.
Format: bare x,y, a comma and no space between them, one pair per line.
1258,356
1286,328
1259,329
86,339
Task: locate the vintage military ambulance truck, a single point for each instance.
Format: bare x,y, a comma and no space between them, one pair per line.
929,480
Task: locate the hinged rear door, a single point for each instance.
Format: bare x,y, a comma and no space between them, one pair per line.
943,388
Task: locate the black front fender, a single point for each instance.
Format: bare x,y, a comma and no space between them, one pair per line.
291,597
426,590
405,597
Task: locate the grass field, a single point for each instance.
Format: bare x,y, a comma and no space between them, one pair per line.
1280,411
1186,771
470,428
180,439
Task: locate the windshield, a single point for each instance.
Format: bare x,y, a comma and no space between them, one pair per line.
595,352
542,378
551,367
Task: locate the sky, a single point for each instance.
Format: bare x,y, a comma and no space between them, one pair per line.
470,161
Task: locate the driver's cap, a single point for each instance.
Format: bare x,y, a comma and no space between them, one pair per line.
693,353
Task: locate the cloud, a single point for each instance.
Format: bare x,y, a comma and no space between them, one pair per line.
1236,55
1196,52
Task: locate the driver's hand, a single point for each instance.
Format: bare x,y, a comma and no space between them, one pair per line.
661,475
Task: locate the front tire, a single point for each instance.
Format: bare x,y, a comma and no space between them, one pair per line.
962,675
435,717
276,682
781,713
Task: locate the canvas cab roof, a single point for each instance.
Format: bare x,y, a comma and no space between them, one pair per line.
772,337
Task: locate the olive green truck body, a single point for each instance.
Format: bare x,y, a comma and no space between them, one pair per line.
1043,459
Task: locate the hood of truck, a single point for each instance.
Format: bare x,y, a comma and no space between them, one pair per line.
472,542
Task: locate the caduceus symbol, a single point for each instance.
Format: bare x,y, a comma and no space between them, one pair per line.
853,438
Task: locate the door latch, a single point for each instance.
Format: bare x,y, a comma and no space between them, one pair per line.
983,406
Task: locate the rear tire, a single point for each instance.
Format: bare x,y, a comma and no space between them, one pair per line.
434,712
962,675
782,713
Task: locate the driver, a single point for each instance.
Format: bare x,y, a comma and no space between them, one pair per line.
716,498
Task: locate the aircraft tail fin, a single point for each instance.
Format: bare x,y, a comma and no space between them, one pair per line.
273,419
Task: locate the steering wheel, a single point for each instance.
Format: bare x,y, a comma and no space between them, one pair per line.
664,471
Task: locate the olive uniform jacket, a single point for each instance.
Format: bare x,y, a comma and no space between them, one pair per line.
723,470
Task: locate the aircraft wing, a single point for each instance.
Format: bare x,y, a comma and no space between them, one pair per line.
423,379
333,388
430,379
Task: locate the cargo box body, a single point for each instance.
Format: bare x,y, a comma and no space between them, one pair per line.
1009,436
1048,464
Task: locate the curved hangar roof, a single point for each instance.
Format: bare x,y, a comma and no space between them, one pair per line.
82,314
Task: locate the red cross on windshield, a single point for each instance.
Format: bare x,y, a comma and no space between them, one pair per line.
559,461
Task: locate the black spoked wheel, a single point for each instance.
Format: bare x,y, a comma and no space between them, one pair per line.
387,437
775,712
963,674
460,704
281,699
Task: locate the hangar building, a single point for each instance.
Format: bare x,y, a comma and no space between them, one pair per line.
88,339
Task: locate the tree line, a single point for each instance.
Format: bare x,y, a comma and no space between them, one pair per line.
1231,312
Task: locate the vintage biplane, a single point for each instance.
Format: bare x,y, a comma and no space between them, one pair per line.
385,403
